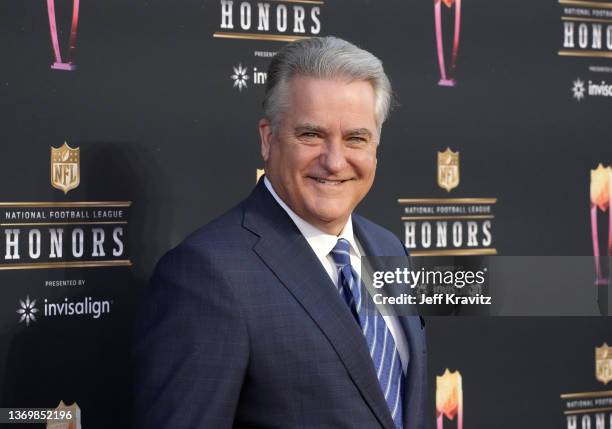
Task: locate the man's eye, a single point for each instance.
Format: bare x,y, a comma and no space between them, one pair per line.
309,135
357,139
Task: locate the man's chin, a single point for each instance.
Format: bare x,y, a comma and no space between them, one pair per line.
326,219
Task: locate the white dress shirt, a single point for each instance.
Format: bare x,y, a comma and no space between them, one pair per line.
322,244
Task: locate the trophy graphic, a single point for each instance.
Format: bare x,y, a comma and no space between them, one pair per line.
601,179
70,417
449,398
68,62
446,78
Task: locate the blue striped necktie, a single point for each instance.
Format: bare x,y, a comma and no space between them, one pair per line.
384,354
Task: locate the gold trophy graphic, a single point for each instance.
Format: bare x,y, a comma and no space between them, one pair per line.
67,63
601,179
449,398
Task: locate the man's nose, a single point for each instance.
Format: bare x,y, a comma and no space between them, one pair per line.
333,157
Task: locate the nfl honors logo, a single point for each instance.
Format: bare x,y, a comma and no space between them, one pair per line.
65,167
591,410
448,169
603,363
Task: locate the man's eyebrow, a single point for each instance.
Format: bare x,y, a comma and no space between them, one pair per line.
309,128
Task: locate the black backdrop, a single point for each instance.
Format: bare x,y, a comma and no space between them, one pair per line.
159,123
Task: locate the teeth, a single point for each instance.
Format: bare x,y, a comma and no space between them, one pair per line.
332,182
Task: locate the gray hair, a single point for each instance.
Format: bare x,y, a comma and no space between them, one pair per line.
324,58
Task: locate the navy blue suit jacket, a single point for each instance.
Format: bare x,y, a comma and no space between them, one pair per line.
242,327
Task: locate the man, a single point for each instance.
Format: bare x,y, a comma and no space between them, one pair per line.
258,319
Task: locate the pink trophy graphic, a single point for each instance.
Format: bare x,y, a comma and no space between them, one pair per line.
601,191
446,78
68,62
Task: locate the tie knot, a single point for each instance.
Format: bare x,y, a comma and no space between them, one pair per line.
340,253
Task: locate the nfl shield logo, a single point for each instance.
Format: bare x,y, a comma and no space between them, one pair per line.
65,167
448,169
603,363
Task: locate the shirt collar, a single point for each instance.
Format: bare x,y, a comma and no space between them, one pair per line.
321,242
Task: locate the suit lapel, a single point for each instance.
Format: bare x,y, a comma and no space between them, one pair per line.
286,252
414,402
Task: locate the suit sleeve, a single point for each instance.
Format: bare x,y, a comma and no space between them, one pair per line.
191,346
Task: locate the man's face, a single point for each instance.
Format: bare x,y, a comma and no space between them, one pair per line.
321,158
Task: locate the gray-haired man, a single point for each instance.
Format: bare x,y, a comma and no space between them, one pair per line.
258,318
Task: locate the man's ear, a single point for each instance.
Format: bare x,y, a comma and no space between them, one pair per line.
265,135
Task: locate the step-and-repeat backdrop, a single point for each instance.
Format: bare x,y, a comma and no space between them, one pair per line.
126,125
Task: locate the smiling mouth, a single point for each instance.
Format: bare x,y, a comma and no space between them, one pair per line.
328,181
